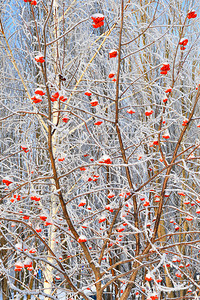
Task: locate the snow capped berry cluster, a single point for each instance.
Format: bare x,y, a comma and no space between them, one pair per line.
164,69
98,20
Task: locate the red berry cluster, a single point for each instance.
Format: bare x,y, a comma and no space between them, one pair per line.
164,69
39,59
33,2
98,20
183,43
192,14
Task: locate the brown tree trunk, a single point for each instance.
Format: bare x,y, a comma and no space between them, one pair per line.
5,290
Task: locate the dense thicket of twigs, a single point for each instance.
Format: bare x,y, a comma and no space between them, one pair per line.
99,139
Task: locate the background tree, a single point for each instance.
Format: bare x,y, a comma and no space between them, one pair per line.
99,149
